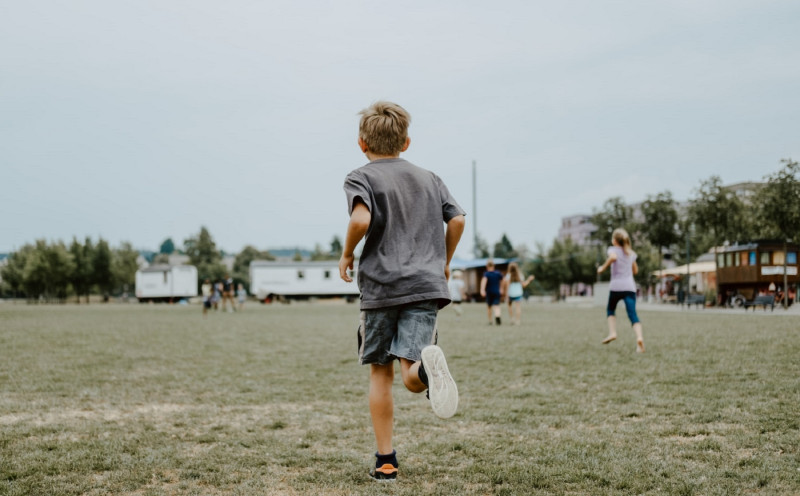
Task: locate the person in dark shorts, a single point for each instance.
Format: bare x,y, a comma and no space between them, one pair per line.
491,284
399,210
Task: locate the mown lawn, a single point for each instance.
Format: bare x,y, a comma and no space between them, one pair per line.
155,400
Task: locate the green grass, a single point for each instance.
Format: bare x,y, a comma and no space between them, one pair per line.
155,400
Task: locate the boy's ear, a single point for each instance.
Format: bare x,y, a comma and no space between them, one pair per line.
406,145
363,145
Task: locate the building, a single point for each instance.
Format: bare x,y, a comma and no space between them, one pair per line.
578,228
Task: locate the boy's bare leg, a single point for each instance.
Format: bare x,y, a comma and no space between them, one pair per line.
637,328
381,404
410,372
612,329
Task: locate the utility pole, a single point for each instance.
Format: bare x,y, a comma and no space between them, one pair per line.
474,211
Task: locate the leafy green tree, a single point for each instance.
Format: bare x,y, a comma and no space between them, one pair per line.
14,271
124,267
298,257
504,248
47,271
167,247
481,247
81,277
614,213
778,204
717,210
203,254
660,222
101,263
564,263
241,264
336,248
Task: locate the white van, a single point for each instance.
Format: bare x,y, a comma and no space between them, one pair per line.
166,282
300,280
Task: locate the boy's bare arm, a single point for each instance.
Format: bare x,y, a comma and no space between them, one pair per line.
455,228
356,229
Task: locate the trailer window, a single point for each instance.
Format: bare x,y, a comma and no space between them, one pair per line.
327,274
777,258
165,277
765,258
728,260
300,274
743,258
791,257
752,258
736,259
721,260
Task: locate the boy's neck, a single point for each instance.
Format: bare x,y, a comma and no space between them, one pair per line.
373,157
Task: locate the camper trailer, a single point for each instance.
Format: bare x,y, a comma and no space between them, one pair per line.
166,283
299,280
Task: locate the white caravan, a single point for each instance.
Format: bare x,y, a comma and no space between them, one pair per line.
284,280
166,282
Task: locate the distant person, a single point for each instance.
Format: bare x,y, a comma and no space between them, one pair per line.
622,260
399,209
227,293
514,288
457,289
241,295
491,289
216,295
207,292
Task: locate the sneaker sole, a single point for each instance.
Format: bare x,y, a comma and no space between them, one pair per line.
441,386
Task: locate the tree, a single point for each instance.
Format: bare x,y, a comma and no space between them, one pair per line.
241,264
717,210
504,248
298,257
102,275
336,248
778,204
204,255
81,277
124,266
564,263
167,247
614,213
660,221
13,272
481,247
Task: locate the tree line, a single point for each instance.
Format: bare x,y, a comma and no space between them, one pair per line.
714,215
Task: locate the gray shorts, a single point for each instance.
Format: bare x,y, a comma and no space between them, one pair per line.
401,331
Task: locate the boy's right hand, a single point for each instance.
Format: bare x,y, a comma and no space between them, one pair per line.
345,263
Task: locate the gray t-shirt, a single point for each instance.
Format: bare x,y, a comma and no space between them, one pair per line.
404,252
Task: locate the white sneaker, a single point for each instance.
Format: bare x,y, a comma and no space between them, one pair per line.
442,389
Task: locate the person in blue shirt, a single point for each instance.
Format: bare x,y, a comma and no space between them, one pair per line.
491,285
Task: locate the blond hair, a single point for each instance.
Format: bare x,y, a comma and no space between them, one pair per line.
514,273
384,128
622,238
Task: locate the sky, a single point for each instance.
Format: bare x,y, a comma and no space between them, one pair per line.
140,121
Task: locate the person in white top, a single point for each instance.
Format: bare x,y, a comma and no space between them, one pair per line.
622,260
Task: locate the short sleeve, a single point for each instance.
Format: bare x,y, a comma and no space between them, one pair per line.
356,186
610,250
450,208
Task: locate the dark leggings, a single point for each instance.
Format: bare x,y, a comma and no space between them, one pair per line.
629,297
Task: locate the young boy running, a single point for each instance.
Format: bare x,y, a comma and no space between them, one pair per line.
402,273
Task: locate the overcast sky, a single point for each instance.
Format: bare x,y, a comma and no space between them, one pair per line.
140,121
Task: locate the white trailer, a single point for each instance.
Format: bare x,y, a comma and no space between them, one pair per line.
166,282
284,280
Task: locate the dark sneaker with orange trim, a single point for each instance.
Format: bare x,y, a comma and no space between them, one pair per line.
386,472
385,467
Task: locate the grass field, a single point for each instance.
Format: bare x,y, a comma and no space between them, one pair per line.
156,400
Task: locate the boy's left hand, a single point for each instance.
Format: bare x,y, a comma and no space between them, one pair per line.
345,263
